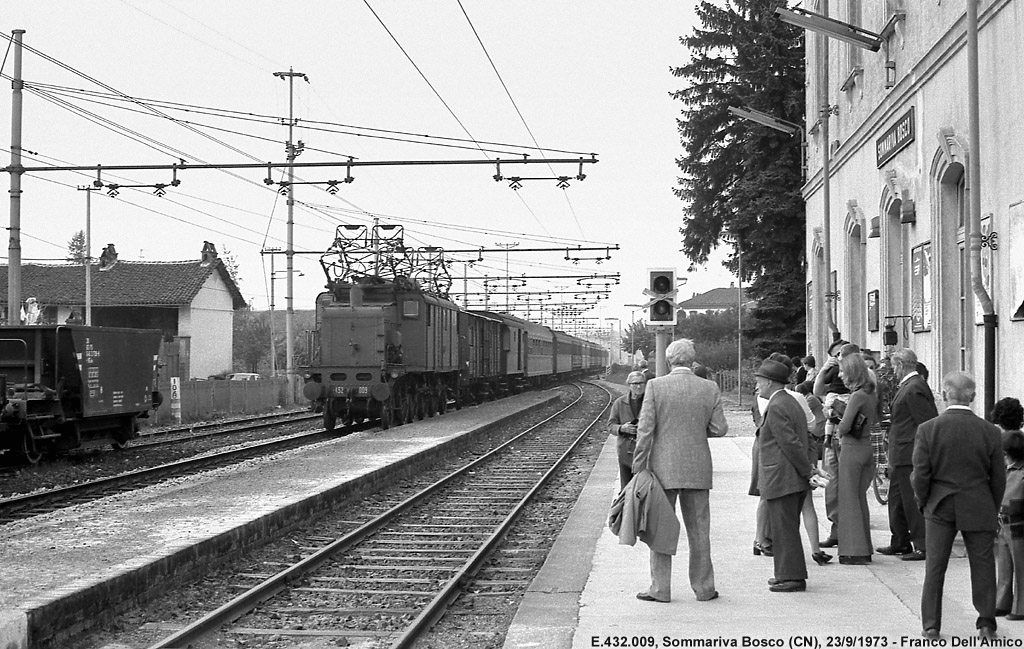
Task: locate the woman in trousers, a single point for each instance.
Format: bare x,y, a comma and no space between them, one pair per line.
856,461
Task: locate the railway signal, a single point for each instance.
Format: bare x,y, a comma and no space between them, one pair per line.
662,290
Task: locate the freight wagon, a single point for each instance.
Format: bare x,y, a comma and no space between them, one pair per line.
69,386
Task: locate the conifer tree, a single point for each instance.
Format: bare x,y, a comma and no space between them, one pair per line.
741,182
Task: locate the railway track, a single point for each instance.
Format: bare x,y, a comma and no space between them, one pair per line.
34,504
389,579
218,428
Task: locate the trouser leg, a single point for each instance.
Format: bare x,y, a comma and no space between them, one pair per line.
979,546
787,548
899,527
695,505
939,536
1004,570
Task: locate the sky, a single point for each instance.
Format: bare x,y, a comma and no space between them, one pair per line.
573,77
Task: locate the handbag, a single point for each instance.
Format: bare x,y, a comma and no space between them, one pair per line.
860,425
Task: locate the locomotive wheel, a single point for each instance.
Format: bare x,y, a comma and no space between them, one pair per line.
420,405
408,407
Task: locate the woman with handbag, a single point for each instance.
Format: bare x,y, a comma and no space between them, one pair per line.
856,461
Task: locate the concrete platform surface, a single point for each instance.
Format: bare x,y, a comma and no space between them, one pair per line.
585,596
59,569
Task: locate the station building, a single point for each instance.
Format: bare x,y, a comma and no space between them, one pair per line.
899,231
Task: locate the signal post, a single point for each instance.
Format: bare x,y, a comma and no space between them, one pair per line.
661,311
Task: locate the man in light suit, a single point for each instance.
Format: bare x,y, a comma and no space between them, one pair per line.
912,406
783,475
959,478
680,412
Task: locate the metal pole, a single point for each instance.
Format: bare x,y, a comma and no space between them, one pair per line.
88,253
290,247
974,204
273,332
826,172
739,324
14,244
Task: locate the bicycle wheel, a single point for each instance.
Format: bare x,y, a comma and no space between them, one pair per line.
880,484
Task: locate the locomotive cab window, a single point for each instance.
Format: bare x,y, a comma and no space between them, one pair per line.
410,309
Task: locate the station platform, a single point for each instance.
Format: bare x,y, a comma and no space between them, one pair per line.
61,570
585,595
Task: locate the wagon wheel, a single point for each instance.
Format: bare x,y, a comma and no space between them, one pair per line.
28,451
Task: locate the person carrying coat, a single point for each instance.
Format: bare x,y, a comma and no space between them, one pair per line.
680,412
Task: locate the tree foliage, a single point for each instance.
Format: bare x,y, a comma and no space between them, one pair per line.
741,181
76,248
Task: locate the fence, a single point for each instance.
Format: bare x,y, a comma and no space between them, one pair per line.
726,380
203,400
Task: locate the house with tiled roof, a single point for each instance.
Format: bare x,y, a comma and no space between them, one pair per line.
191,302
714,301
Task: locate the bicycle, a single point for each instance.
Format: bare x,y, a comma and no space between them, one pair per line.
880,447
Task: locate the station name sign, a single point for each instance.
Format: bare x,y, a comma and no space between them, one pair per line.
896,138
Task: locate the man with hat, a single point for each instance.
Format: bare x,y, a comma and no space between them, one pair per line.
784,472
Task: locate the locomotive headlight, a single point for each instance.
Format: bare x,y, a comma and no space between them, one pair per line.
394,374
308,375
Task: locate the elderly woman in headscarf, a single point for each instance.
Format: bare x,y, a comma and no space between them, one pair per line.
622,422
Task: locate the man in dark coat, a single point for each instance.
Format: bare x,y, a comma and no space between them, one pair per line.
913,405
959,478
783,473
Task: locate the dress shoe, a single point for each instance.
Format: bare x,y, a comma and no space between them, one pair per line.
1013,617
714,595
762,548
829,542
821,558
890,550
931,634
987,633
916,555
772,581
647,598
857,560
789,586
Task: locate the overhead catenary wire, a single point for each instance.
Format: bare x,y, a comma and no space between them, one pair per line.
516,107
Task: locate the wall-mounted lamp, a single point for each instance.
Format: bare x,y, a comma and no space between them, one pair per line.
889,337
890,74
831,27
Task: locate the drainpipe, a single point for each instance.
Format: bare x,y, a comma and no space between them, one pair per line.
974,204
